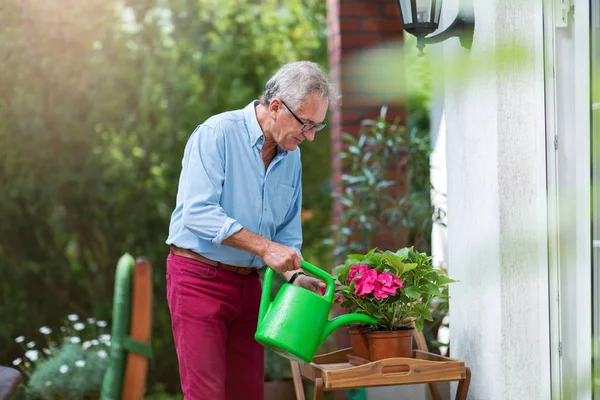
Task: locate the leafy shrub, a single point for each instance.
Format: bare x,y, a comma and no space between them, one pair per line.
70,365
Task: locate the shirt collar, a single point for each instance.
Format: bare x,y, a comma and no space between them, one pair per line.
252,124
254,130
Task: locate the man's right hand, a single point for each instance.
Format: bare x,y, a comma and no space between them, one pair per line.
281,258
277,256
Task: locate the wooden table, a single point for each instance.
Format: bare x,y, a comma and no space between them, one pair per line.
333,371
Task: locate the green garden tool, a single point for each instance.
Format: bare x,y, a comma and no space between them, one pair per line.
296,322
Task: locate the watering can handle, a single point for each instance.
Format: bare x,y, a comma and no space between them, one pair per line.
319,273
265,300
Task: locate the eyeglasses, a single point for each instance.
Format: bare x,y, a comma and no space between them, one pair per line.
305,126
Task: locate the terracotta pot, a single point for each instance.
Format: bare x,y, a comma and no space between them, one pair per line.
358,339
390,344
280,390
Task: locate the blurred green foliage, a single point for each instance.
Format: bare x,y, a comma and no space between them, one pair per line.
97,99
82,376
68,363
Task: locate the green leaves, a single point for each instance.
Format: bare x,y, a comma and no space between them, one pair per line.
413,292
410,267
403,253
444,280
431,289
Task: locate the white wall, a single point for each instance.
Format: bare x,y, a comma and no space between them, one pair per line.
496,171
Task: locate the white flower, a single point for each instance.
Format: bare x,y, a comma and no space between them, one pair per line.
73,317
80,363
79,326
48,383
31,344
33,355
104,338
17,361
74,339
101,324
63,369
63,329
20,339
102,354
86,345
47,351
45,330
91,321
95,342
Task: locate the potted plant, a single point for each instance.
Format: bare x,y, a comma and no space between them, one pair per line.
397,289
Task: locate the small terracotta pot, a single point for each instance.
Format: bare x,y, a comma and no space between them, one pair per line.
358,339
390,344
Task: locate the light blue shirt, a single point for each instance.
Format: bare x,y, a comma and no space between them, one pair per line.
223,187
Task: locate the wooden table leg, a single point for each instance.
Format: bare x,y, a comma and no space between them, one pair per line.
318,394
463,386
298,387
434,390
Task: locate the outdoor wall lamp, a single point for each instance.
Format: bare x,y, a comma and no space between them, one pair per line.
422,17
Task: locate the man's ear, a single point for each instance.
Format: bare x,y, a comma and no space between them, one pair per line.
274,107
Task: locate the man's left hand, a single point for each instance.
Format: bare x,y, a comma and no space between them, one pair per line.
310,283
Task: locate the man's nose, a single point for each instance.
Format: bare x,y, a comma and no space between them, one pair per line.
309,134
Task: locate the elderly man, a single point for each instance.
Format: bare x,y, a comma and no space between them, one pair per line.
238,209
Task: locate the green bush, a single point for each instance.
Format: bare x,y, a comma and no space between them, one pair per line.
70,364
69,373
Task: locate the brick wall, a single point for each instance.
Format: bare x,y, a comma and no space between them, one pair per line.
356,28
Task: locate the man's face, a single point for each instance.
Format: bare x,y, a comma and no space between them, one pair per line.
288,133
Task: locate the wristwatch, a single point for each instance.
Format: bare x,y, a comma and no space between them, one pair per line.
295,276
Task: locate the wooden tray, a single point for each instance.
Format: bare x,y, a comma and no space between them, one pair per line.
337,372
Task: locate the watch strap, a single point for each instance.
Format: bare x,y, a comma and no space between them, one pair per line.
295,276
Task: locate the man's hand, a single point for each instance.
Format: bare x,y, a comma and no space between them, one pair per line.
281,258
310,283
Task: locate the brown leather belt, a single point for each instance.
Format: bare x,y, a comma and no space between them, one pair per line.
178,251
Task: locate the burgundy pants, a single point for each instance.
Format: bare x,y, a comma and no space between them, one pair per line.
213,316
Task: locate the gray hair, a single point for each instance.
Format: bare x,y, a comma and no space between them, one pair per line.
295,81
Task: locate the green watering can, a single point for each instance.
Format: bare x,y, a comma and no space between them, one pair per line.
296,322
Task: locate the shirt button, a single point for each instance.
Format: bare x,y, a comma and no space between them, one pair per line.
265,208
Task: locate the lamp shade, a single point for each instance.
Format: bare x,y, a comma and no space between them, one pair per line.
420,17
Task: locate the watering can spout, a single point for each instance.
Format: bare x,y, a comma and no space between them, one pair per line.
346,319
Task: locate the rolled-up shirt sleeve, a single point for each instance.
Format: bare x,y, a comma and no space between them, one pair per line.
204,172
289,233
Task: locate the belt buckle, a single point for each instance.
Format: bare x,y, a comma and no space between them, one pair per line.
243,271
230,268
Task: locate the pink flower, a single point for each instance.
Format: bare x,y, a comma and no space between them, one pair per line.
397,281
357,269
385,279
379,292
365,282
386,285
